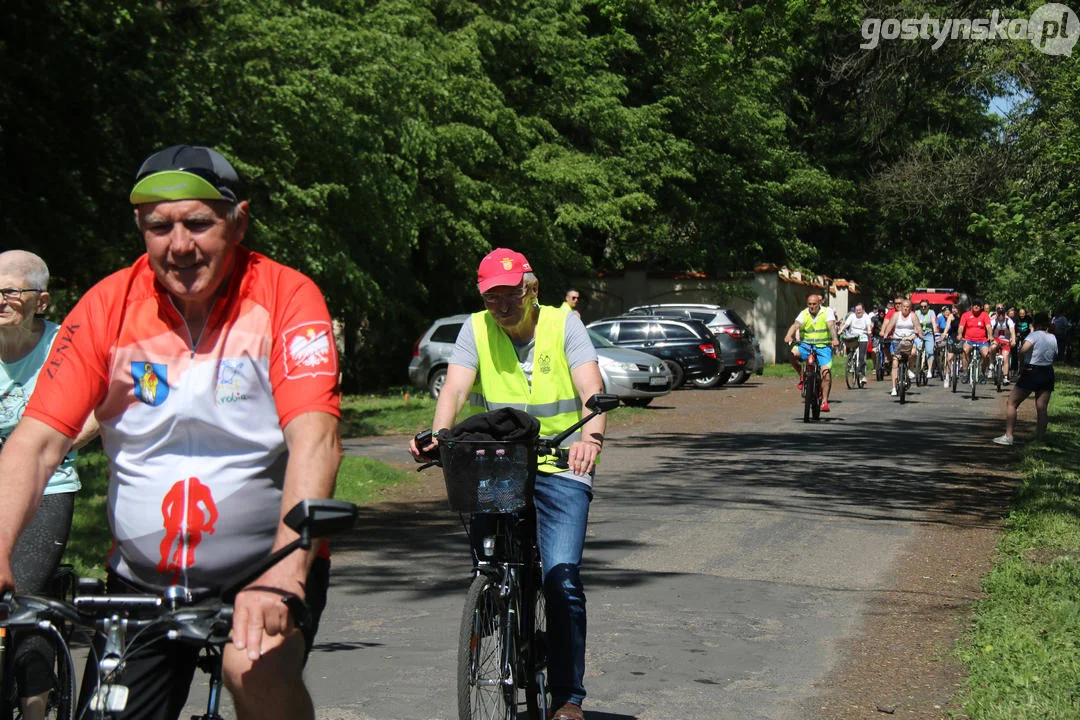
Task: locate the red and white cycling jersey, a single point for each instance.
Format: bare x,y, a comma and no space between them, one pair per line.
1001,330
194,433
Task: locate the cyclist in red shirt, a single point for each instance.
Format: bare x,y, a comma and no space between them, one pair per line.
974,330
213,373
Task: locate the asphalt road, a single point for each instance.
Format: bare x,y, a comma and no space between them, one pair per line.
730,552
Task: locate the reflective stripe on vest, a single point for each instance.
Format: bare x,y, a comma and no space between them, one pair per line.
500,382
815,330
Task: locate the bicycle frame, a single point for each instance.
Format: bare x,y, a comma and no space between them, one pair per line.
123,622
811,385
507,593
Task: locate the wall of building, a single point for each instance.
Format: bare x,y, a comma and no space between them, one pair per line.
771,297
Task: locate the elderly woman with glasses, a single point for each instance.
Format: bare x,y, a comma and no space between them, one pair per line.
25,341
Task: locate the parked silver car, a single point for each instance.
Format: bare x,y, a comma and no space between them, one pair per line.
636,377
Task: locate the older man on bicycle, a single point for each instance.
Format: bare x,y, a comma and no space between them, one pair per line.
516,353
816,328
213,373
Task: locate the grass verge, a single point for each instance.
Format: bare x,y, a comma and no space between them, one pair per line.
1023,651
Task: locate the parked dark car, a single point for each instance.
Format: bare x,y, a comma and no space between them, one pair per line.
685,345
736,339
635,377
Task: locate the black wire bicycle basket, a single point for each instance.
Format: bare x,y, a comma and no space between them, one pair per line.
486,476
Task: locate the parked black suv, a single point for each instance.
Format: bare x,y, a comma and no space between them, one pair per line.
686,346
736,340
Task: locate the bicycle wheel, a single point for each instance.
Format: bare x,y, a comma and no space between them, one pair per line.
815,409
536,651
810,392
486,685
60,701
879,362
999,377
954,375
901,379
973,374
851,374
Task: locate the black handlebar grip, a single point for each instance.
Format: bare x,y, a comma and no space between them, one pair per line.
423,439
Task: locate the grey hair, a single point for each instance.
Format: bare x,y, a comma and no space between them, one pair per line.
32,268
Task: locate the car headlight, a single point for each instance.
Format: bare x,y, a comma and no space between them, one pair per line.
616,365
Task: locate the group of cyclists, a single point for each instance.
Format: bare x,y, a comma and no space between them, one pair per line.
974,334
897,327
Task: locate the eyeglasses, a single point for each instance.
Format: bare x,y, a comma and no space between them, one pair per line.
16,293
510,297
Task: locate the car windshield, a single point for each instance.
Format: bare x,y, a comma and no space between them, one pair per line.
599,341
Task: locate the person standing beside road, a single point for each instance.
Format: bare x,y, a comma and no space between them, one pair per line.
25,341
517,353
571,301
1060,327
204,362
1037,377
901,326
816,326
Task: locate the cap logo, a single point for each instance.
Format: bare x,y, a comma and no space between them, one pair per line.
507,263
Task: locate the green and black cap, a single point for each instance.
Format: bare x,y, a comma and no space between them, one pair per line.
186,172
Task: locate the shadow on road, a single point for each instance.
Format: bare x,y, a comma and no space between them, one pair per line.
944,471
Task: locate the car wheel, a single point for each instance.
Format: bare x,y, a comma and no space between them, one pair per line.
636,402
678,375
740,377
712,380
436,382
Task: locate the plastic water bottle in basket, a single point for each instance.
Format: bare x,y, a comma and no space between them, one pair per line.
507,491
485,486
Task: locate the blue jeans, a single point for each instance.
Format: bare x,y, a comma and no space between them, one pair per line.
562,512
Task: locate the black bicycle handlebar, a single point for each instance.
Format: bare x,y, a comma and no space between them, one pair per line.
598,404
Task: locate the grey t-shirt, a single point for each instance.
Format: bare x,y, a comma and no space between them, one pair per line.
1044,348
579,348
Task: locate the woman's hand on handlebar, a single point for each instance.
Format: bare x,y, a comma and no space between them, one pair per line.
582,456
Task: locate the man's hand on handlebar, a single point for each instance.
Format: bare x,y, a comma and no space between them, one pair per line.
424,447
582,456
261,611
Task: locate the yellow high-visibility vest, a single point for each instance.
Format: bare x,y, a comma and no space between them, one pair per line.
500,382
815,330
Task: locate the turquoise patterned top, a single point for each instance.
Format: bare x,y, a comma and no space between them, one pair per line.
17,381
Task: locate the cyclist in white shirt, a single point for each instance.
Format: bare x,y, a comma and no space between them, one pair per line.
901,325
928,320
1003,335
859,325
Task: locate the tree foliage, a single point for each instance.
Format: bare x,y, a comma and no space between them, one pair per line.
389,144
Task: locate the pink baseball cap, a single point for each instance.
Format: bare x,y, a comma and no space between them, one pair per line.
501,266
